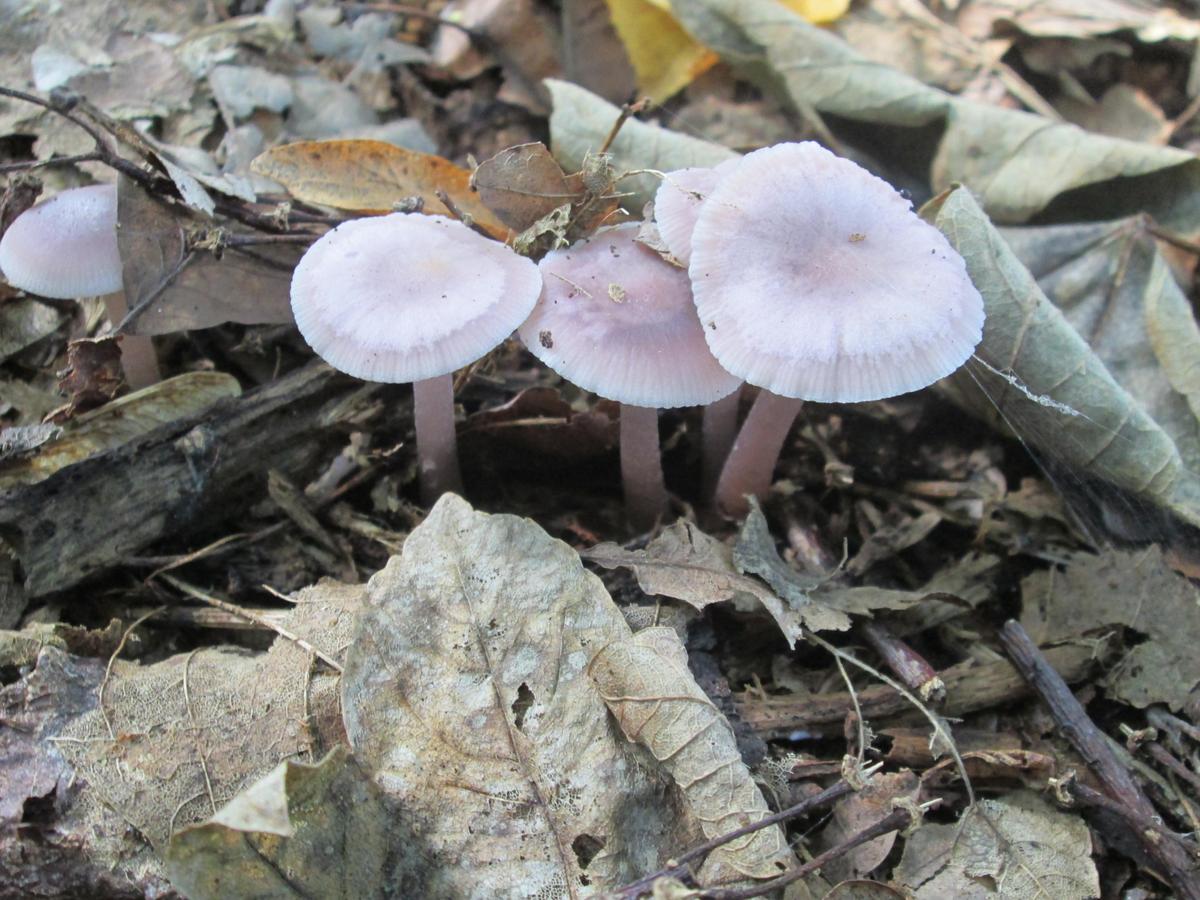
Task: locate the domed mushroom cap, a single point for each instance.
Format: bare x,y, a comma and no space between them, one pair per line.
678,201
617,320
66,246
815,280
406,297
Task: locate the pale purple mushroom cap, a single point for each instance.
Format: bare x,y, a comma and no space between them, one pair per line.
617,320
66,246
406,297
678,201
815,280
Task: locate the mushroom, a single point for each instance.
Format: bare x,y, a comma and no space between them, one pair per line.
814,280
677,205
411,298
617,320
66,247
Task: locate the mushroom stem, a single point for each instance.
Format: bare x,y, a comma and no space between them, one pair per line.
751,462
437,442
137,350
717,433
641,465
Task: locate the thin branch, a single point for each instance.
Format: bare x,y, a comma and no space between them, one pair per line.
679,865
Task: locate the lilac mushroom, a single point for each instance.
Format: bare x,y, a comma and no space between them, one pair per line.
816,281
617,320
677,205
66,247
411,298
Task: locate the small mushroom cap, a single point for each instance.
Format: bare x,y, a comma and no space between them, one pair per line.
815,280
406,297
66,246
617,320
678,201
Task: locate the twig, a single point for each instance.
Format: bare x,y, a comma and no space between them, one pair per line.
939,724
192,591
187,702
414,12
897,820
1128,802
678,866
627,111
30,165
909,666
465,218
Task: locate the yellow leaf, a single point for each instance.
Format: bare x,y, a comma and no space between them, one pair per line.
664,56
371,177
818,12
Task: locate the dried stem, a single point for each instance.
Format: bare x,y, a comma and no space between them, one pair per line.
1129,804
913,670
679,865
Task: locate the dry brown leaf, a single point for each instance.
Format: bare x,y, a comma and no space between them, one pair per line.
466,696
372,177
646,683
522,184
859,810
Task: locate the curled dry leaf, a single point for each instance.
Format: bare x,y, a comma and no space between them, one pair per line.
1018,847
646,683
467,698
527,189
372,177
685,563
92,377
275,839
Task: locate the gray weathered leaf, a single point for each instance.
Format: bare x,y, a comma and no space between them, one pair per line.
466,696
1018,163
1112,284
1073,407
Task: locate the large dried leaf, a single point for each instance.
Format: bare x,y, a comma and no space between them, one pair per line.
466,695
1071,406
171,287
1018,848
1132,588
581,121
1017,162
171,742
301,831
646,683
120,421
371,177
1112,284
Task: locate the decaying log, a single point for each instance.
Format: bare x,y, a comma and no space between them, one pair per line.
174,480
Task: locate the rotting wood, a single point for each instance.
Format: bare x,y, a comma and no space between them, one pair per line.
174,480
969,687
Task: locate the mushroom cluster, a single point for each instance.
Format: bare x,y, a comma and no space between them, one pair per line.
802,274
